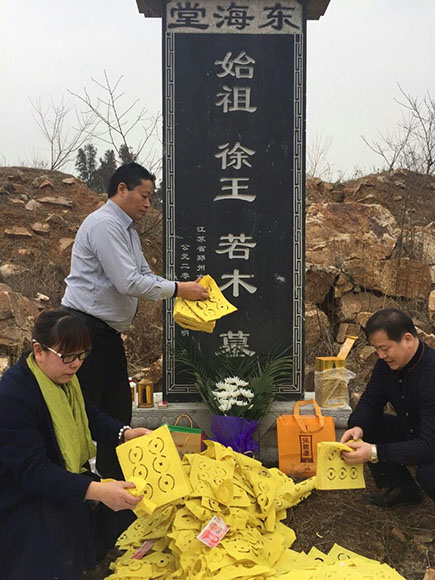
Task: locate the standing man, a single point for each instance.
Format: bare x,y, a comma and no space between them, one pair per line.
108,275
404,375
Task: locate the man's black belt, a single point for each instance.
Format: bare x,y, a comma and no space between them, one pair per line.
90,320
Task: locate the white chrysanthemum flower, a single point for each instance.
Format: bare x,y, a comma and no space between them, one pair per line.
219,395
231,380
231,392
240,382
224,406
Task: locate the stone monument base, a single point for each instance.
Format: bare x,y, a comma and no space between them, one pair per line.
266,435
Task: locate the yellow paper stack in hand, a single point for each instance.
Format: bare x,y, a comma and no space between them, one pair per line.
333,472
153,464
202,314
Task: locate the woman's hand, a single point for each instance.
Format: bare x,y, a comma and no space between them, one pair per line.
114,494
137,432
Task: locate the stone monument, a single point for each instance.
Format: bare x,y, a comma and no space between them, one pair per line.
234,85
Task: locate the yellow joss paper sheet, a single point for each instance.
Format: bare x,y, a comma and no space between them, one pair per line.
154,459
202,314
333,472
215,306
339,554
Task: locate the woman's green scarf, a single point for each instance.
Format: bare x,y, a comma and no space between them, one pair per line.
67,411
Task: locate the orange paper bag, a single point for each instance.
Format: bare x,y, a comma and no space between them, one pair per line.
298,436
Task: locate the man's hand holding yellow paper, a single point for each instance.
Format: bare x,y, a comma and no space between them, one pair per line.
202,315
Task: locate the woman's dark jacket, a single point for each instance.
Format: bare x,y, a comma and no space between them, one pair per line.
42,507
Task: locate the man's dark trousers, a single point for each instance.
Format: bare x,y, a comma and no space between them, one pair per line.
104,380
391,475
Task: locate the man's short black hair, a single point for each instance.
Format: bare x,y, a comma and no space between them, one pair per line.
131,174
394,322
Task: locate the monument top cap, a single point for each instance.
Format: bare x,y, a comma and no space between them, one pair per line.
153,8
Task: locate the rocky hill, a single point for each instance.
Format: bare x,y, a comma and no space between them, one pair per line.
370,243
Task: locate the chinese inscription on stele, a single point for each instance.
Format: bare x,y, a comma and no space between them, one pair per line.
235,18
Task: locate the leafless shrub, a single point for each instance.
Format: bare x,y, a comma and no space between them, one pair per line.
317,162
41,276
411,144
54,122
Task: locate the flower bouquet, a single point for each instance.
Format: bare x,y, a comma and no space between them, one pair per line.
237,389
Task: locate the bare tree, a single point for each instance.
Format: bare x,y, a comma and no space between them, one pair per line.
412,143
117,124
54,123
390,146
317,162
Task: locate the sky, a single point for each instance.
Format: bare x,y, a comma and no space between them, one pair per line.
357,53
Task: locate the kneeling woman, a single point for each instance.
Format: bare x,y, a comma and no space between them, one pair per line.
46,433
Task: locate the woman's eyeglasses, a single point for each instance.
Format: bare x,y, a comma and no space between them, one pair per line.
67,358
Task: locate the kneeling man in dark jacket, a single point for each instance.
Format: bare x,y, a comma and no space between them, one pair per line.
404,376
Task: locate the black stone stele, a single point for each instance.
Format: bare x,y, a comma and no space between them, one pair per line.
234,142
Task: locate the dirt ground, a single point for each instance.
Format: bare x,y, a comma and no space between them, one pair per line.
403,537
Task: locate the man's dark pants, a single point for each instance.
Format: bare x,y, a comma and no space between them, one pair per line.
104,380
390,475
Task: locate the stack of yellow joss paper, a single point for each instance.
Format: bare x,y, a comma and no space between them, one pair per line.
162,543
202,314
